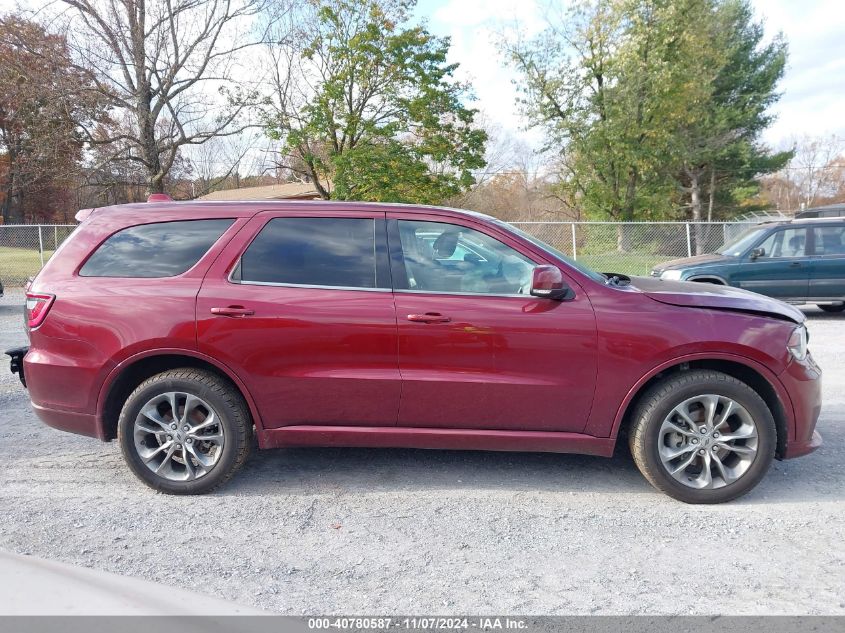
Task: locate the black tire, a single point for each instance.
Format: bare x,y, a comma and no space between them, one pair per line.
658,403
229,407
832,308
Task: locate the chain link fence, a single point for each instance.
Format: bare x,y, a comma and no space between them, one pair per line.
25,247
633,248
622,247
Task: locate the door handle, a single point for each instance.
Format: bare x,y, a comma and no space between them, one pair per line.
233,311
794,264
429,317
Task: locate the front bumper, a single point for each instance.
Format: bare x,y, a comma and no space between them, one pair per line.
803,382
797,449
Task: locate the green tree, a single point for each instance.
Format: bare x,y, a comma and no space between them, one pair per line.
607,84
644,99
720,151
369,109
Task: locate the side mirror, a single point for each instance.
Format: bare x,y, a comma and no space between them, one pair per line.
547,282
757,252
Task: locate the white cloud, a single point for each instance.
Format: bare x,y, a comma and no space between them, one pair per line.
814,84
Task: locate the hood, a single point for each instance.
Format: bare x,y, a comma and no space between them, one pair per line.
696,260
699,295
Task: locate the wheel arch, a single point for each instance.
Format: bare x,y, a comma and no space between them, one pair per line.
709,279
755,376
123,379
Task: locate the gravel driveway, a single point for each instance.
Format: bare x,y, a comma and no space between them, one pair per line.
354,531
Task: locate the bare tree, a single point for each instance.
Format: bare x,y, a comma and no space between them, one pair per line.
814,176
223,161
816,168
171,65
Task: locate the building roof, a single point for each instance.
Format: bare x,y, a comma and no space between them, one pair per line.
286,191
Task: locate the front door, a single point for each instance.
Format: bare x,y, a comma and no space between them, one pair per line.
476,351
782,267
301,308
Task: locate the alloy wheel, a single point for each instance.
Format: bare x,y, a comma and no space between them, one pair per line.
178,436
708,441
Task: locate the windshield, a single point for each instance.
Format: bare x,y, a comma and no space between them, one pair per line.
743,242
553,251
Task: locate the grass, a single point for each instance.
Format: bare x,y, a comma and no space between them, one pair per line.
19,264
625,263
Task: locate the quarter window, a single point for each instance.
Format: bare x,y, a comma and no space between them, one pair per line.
449,258
162,249
338,252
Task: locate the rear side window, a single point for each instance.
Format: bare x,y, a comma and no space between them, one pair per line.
830,240
164,249
338,252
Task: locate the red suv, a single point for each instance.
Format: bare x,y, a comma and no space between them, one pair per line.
183,329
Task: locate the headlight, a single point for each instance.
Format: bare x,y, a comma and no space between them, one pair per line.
672,275
797,344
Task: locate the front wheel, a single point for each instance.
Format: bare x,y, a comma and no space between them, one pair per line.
184,431
703,437
832,308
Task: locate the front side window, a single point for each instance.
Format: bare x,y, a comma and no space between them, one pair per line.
337,252
162,249
785,243
449,258
742,243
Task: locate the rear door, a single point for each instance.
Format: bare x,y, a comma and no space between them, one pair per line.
782,270
476,351
301,308
827,273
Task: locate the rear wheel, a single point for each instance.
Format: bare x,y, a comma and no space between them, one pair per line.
185,431
832,308
703,437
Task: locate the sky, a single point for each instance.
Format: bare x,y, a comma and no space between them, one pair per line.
813,101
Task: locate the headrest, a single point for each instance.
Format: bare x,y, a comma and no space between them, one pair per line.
445,244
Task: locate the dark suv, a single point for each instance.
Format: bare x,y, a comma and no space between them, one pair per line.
184,329
798,261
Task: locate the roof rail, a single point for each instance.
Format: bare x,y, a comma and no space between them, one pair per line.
159,197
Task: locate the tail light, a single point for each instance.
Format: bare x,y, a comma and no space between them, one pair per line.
37,307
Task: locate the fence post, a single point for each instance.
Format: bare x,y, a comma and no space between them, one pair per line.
574,248
41,245
689,242
56,237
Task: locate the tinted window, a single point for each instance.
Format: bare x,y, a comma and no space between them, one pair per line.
786,243
163,249
313,252
450,258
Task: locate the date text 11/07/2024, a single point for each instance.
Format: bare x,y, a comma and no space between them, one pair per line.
418,623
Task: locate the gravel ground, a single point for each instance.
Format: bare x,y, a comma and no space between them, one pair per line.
353,531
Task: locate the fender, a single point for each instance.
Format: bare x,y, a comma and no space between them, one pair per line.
764,371
168,351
